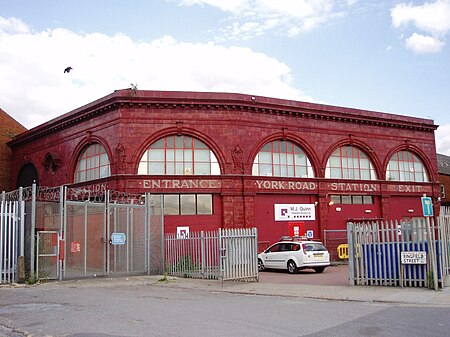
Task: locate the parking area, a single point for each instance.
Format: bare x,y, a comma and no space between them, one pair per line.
335,275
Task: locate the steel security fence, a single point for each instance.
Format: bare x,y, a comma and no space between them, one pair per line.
444,239
239,248
11,239
410,253
64,232
226,254
195,255
334,240
47,259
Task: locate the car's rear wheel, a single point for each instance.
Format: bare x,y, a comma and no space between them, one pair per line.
261,266
319,269
292,267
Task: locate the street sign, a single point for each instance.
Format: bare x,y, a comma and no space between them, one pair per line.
414,257
427,206
118,238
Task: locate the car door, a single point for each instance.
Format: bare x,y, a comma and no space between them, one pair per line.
279,256
272,256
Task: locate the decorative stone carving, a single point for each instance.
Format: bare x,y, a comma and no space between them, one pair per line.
179,128
51,162
120,159
237,155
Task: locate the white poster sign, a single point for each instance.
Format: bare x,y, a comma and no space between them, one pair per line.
295,212
183,232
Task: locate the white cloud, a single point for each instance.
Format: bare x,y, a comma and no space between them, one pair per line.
228,5
250,18
443,139
432,18
423,44
34,89
13,25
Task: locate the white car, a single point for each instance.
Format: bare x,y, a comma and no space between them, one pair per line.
295,255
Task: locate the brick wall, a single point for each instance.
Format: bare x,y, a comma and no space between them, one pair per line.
445,180
9,128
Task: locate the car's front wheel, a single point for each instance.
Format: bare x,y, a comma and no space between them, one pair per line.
319,269
292,267
261,266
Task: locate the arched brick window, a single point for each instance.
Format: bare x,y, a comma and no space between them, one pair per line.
93,163
406,166
349,162
178,155
282,159
27,176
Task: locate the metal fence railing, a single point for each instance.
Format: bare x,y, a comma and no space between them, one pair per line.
239,254
334,240
226,254
412,253
66,232
11,240
195,255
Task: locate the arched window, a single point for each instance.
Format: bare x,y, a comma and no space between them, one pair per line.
178,155
27,176
93,163
349,162
282,159
406,166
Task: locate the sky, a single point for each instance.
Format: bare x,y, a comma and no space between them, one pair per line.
387,56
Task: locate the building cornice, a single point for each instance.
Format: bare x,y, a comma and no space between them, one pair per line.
178,100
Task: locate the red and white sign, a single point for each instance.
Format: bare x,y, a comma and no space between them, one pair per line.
183,232
75,247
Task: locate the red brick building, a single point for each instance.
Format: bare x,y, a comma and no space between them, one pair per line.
444,178
234,160
9,128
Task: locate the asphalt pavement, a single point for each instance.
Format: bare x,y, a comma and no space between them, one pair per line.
331,285
380,294
132,305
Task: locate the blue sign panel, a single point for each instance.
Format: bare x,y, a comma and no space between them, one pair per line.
427,206
118,238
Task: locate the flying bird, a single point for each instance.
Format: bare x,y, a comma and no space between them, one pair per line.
67,70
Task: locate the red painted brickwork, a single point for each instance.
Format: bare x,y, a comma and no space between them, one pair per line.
9,128
445,180
235,127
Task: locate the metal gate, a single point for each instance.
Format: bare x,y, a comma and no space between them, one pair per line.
128,231
79,232
11,239
226,254
47,259
109,236
239,254
85,239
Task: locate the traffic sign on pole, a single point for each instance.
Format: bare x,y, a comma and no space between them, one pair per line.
427,206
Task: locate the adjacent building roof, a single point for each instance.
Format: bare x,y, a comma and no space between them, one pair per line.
443,164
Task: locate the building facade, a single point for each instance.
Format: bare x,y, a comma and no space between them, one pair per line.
223,160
